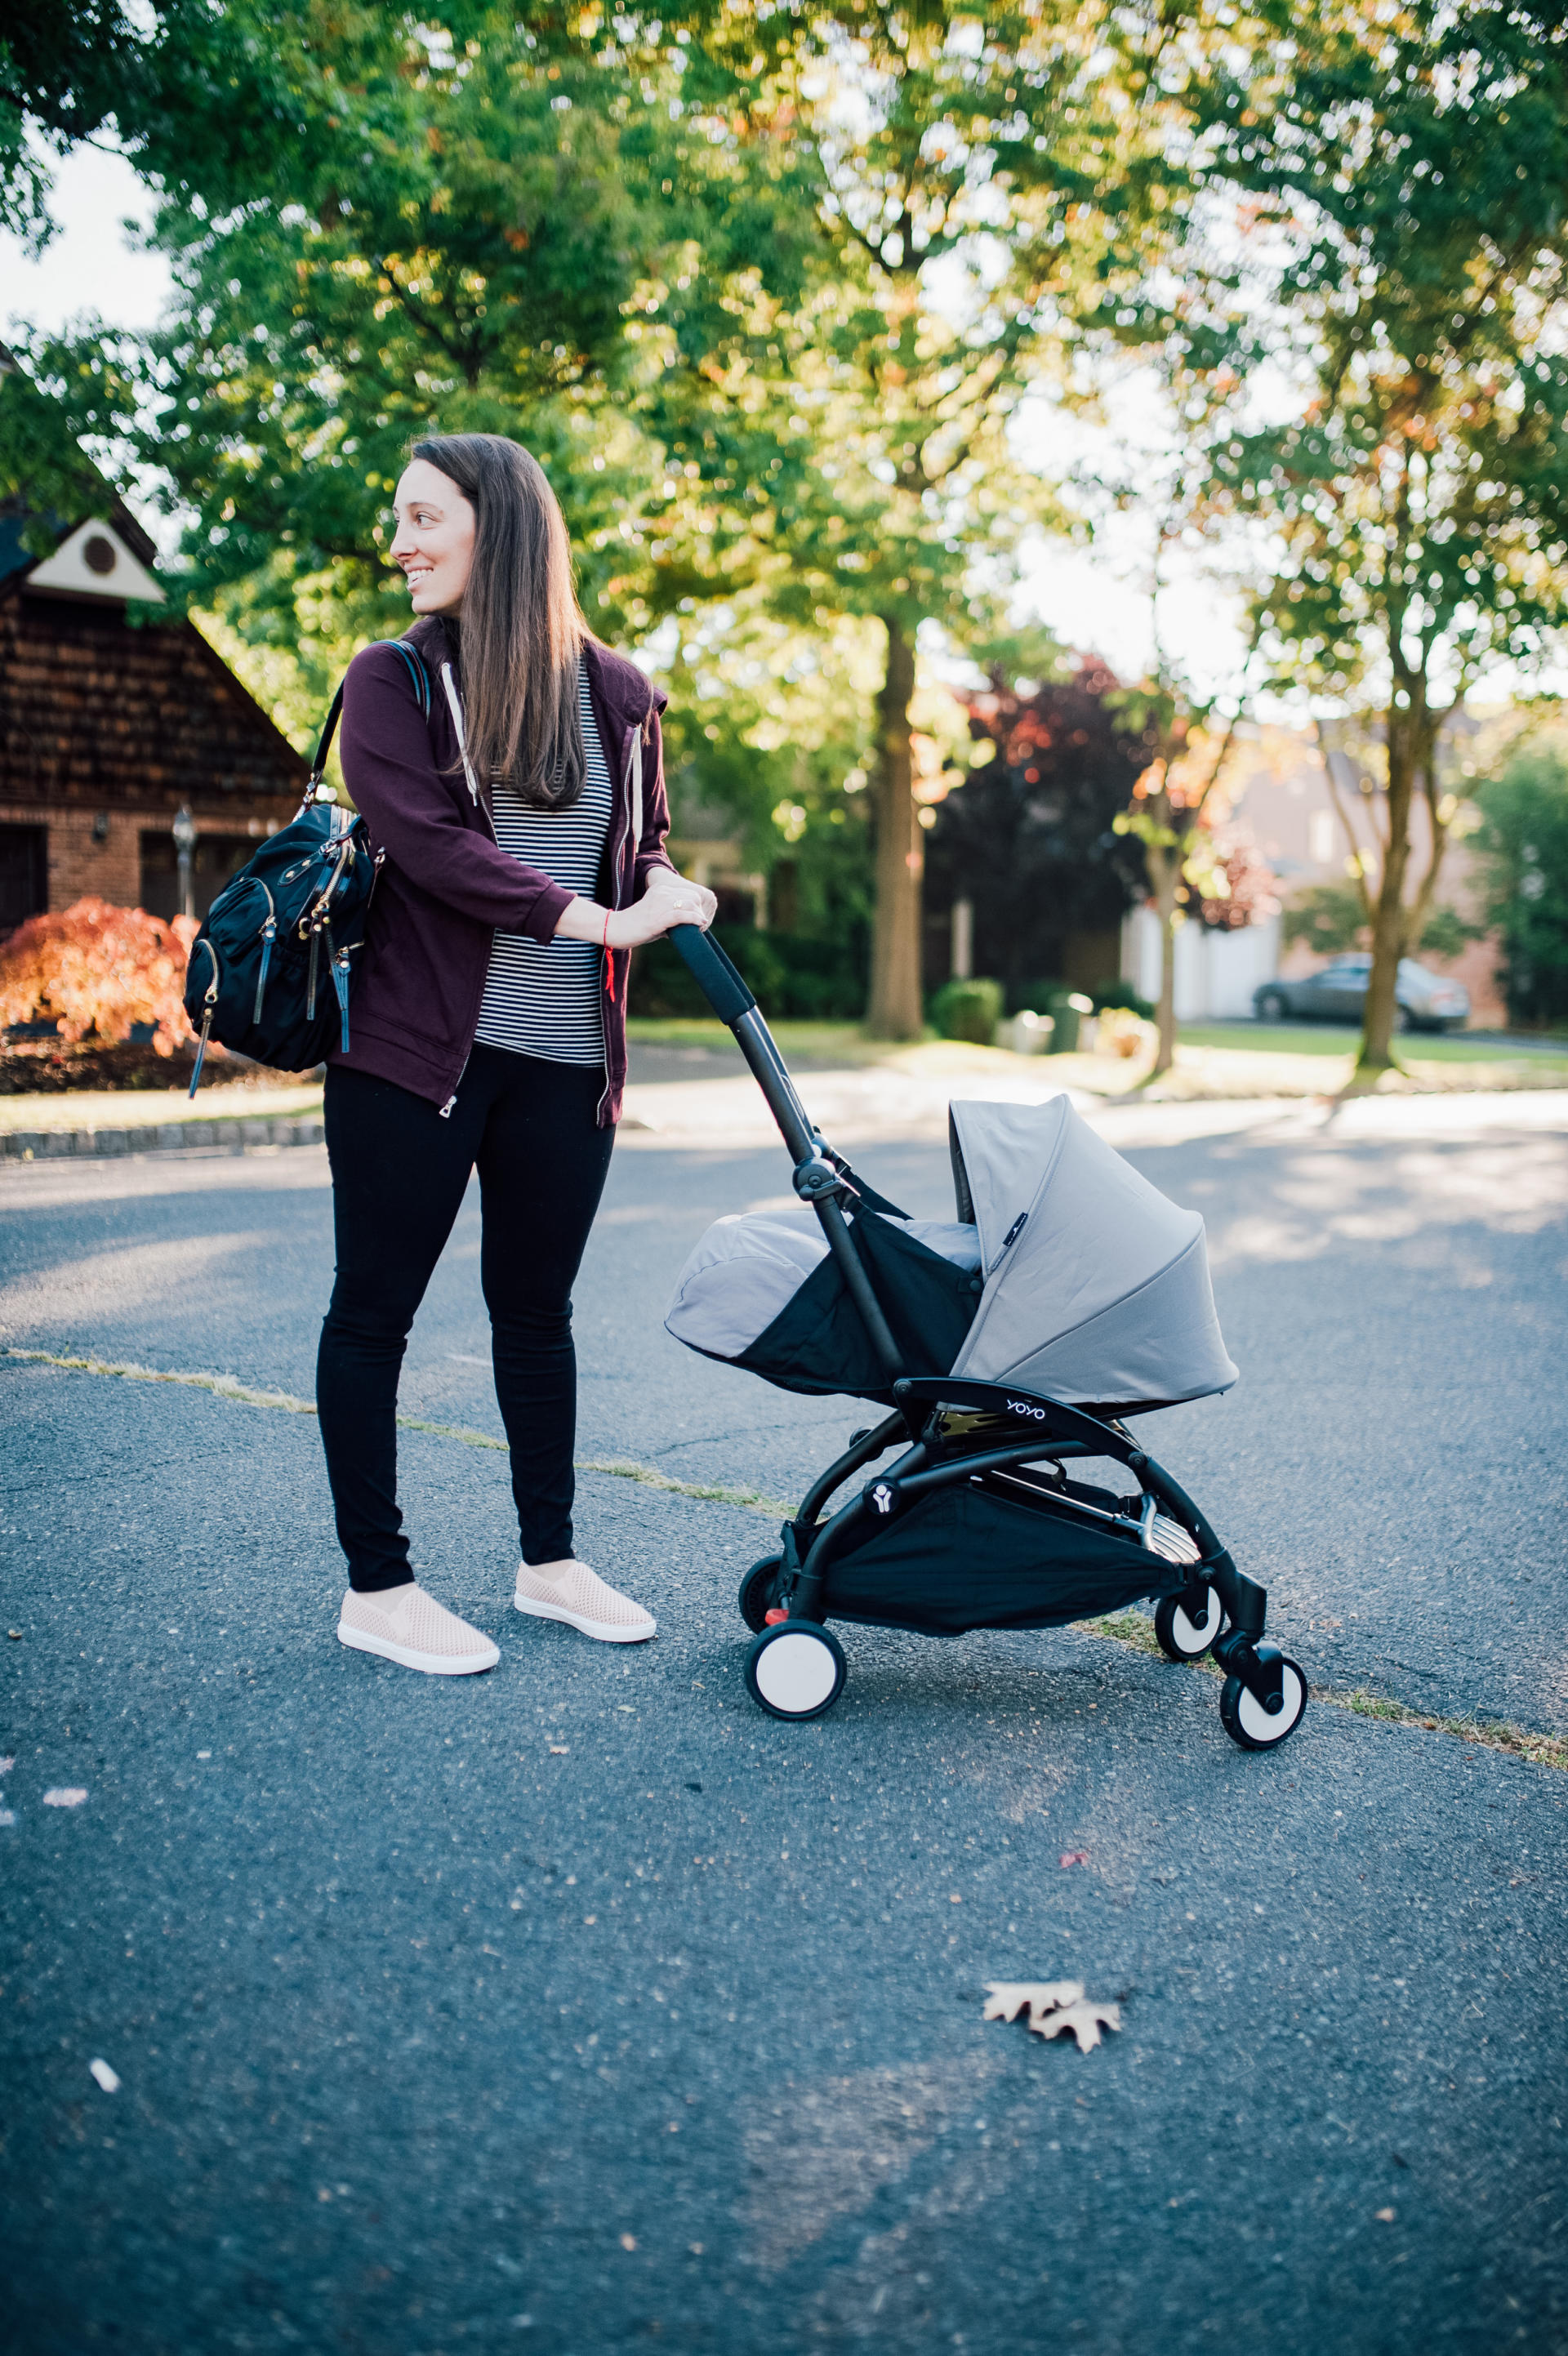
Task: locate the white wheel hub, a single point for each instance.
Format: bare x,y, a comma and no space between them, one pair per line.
1262,1725
795,1673
1193,1639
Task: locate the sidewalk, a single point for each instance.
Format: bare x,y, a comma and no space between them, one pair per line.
157,1120
873,1094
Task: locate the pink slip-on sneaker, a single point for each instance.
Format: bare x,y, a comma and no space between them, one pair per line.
572,1592
406,1625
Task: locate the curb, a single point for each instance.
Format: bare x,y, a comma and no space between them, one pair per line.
234,1134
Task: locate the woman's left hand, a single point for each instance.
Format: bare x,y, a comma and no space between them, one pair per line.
679,901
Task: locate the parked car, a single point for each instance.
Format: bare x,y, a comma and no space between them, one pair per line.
1337,993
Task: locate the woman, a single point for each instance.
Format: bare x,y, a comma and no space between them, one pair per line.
523,826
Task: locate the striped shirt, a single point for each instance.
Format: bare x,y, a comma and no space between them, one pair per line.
543,998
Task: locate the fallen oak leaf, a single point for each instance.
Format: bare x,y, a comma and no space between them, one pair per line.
1083,2020
1005,2000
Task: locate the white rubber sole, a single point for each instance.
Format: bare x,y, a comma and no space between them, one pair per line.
431,1664
597,1629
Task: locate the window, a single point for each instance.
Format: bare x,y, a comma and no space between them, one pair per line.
216,858
24,874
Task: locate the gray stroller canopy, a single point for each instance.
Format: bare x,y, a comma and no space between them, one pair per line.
1102,1293
1066,1273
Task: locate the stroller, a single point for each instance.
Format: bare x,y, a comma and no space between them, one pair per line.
1014,1342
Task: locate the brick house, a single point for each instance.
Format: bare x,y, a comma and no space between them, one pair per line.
111,721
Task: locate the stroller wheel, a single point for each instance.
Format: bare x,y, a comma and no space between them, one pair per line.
1188,1624
754,1596
1248,1723
795,1670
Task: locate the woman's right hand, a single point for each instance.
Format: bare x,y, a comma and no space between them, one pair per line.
674,901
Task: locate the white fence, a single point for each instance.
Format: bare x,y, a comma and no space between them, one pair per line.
1216,973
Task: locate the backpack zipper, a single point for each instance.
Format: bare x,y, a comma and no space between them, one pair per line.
209,1003
268,935
340,983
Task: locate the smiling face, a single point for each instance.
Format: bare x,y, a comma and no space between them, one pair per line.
434,537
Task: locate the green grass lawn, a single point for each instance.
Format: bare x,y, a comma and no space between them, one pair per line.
1342,1039
848,1040
837,1039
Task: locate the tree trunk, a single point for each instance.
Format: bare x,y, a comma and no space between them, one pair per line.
1166,870
1389,918
896,1010
1430,788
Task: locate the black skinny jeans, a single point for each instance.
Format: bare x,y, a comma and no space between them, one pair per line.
399,1174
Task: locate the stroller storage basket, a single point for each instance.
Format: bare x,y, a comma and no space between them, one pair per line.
971,1556
1067,1294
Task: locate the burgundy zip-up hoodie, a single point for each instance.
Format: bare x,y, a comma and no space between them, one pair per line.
446,888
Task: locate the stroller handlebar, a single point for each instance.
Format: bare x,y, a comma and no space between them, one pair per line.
719,982
725,989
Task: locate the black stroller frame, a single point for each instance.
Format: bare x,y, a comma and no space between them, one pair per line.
1010,1441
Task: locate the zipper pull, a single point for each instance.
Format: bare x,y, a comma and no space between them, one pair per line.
209,1004
269,934
446,1113
202,1044
1016,1230
340,983
310,990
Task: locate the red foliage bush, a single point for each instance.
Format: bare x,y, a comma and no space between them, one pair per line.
1253,895
95,970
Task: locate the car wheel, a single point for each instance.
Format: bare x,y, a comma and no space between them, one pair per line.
1271,1006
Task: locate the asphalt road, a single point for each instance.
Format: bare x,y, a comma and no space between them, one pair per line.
579,2008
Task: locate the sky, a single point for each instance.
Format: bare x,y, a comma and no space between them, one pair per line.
1095,598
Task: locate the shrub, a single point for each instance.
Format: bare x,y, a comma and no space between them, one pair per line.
792,978
98,971
1523,843
968,1010
1108,994
1029,997
1328,917
1124,1032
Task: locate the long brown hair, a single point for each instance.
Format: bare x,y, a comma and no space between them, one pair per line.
521,627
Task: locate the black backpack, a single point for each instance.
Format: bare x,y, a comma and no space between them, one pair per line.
270,969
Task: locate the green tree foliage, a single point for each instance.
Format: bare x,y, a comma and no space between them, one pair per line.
198,96
1406,164
978,187
484,219
1029,839
42,467
766,745
459,238
764,293
1523,843
1330,917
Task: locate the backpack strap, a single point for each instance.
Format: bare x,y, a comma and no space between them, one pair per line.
417,673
